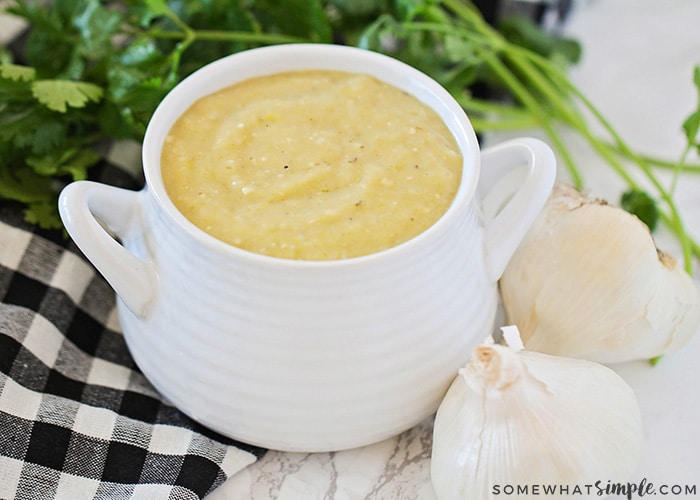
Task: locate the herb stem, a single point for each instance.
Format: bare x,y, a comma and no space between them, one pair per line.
528,64
493,108
659,162
500,125
225,36
679,167
476,24
521,92
486,116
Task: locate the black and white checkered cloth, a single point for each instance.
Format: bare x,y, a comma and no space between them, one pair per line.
77,418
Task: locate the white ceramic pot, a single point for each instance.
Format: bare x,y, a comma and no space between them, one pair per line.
306,355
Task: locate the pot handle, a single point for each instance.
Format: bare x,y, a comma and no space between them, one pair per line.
91,212
505,231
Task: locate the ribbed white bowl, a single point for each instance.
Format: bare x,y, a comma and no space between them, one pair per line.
311,356
299,355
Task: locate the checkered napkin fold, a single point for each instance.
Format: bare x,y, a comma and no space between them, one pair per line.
77,418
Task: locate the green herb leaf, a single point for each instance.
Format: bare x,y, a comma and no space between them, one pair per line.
95,25
49,47
71,161
642,205
58,95
158,7
303,18
691,125
522,32
17,73
24,185
49,135
18,125
359,8
44,214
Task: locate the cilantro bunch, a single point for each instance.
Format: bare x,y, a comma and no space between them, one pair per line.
92,71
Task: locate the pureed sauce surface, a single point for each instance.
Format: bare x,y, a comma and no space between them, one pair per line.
311,165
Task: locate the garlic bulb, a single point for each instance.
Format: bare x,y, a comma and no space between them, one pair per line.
515,419
588,282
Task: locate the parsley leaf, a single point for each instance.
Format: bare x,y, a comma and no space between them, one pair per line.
17,73
642,205
23,185
72,161
42,213
157,7
691,126
58,95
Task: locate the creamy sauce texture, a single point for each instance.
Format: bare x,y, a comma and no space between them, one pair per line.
311,165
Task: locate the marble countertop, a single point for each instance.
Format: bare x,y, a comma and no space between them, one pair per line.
637,68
